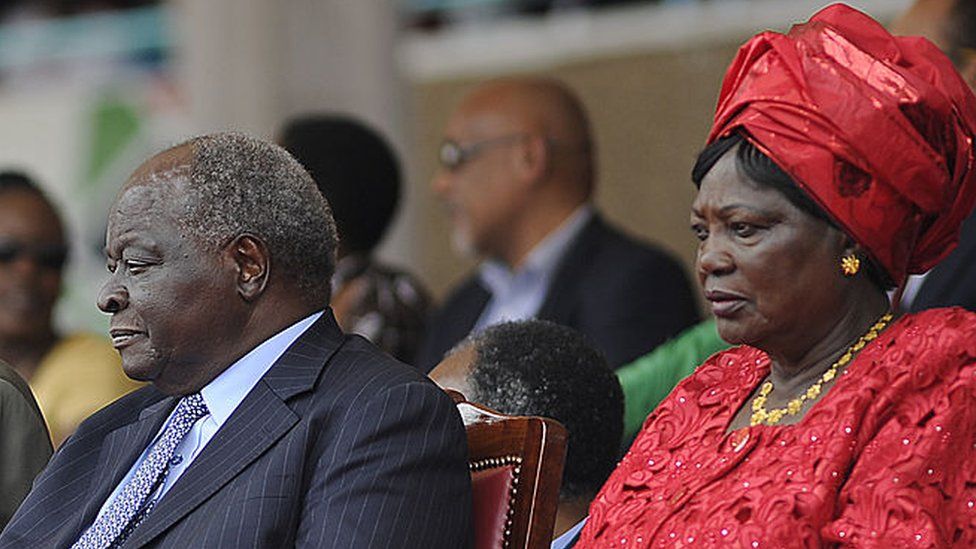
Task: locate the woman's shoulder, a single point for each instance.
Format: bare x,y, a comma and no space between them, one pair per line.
927,353
725,372
949,330
733,361
952,318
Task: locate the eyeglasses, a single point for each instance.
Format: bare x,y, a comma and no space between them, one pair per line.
50,257
453,155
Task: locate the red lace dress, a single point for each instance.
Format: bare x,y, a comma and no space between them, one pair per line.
887,457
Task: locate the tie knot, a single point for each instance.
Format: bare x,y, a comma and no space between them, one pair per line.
191,408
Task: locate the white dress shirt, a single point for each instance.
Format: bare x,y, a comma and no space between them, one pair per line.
563,541
518,294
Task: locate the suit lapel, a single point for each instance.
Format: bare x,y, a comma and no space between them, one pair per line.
262,418
119,451
936,287
567,279
948,283
473,305
453,323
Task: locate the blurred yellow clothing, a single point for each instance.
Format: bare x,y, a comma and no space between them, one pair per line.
78,376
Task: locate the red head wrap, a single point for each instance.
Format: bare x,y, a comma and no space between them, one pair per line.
877,129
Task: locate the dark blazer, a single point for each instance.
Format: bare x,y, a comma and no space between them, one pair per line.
25,445
953,281
626,296
337,446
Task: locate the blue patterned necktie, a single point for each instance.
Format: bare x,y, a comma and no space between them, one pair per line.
130,505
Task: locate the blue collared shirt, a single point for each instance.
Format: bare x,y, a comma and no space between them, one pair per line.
518,294
223,395
569,536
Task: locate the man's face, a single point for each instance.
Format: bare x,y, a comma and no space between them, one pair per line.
32,251
173,301
481,193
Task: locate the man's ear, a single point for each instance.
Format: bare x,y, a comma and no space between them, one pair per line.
253,265
532,159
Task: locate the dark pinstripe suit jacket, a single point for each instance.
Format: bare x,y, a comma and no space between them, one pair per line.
337,446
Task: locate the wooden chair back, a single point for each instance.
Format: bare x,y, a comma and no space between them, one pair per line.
516,471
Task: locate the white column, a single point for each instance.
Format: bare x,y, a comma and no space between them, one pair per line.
249,64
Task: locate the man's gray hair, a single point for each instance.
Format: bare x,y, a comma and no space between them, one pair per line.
239,184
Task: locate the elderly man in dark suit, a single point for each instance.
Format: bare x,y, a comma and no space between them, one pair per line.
517,177
264,425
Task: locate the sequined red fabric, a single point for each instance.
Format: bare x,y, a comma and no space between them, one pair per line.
886,458
877,129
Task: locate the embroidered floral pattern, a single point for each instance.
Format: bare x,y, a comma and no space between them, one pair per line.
886,457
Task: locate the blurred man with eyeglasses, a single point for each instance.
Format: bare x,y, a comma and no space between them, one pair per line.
71,375
951,25
517,178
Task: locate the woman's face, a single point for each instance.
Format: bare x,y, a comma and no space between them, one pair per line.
32,251
770,271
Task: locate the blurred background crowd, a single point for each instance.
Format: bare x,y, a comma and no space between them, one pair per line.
89,88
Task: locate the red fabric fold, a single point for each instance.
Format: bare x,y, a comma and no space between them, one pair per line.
877,129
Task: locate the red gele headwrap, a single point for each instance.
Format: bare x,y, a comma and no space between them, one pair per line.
877,129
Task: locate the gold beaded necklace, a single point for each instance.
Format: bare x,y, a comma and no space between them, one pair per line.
771,417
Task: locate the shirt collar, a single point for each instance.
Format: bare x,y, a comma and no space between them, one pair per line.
228,390
543,259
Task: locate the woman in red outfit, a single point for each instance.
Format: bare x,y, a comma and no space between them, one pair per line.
841,160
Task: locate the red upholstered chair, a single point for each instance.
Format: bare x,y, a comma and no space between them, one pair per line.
516,470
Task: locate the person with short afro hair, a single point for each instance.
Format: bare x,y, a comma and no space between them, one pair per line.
359,175
539,368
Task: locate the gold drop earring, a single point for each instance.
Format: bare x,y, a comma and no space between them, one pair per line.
850,265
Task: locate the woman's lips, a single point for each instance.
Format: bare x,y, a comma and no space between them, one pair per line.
724,304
